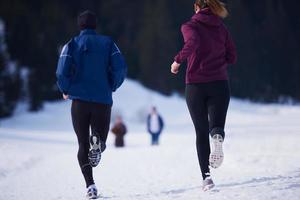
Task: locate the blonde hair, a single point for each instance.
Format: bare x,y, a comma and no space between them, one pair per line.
216,6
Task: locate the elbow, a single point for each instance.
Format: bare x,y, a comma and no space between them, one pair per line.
58,73
234,60
231,59
117,80
231,62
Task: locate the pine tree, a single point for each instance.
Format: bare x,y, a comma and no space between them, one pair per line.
156,46
268,51
9,79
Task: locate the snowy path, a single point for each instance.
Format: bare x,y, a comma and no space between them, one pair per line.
262,160
39,169
47,168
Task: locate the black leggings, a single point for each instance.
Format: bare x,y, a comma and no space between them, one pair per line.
207,104
86,116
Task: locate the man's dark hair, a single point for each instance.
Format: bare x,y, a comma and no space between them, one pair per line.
87,20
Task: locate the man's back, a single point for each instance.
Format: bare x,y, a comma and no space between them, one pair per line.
99,68
92,55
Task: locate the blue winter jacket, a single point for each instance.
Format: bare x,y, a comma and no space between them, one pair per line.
90,68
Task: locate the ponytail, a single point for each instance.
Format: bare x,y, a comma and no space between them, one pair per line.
216,6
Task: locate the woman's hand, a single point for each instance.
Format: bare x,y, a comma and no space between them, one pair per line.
175,67
66,97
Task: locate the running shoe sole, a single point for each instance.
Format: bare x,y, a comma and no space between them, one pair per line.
95,152
217,156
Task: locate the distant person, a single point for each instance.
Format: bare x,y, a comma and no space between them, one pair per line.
208,49
155,125
90,68
119,130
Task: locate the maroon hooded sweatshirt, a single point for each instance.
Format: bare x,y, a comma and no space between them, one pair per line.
208,48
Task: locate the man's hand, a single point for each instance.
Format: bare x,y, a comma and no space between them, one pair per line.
66,97
175,67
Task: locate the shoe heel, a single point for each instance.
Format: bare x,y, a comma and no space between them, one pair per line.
95,142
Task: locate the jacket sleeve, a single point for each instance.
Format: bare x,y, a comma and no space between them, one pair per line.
118,67
64,68
124,129
148,123
161,121
231,54
190,43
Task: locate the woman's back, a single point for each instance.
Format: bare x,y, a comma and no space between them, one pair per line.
210,48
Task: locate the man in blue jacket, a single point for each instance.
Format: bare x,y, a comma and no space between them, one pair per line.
90,68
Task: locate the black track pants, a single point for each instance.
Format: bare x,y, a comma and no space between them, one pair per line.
88,116
207,104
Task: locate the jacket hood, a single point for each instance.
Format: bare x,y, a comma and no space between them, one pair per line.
205,16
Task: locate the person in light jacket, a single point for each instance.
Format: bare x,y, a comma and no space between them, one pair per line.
155,125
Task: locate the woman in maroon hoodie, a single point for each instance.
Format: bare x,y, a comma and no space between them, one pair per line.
208,50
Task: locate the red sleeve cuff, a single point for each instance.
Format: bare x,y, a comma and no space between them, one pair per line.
177,59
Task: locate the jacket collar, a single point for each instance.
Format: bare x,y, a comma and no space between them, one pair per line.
88,32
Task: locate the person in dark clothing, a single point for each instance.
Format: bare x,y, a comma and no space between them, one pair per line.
208,49
155,125
119,130
89,69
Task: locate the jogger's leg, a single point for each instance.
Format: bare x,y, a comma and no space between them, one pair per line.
217,105
81,124
196,102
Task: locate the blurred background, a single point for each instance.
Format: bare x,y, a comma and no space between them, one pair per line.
148,33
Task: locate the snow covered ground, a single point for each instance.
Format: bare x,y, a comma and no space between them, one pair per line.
262,160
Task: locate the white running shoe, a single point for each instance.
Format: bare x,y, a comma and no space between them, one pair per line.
208,184
92,192
216,156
